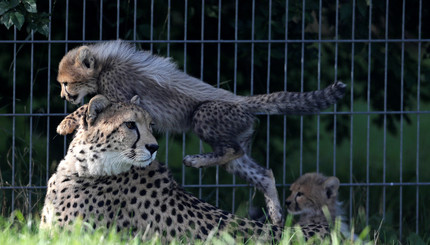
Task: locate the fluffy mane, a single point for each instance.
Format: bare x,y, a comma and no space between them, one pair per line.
160,70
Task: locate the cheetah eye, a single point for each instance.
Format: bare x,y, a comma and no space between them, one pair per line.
299,194
65,84
130,125
151,124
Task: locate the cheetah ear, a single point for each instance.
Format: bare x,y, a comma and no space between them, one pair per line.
135,100
96,105
331,186
85,58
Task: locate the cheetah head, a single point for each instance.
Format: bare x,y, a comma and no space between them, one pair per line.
311,192
111,138
77,74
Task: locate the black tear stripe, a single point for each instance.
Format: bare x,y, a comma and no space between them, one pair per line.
138,138
85,121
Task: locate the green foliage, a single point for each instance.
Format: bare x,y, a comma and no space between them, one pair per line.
18,12
18,230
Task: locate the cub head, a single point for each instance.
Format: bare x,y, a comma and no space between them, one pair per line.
77,74
111,138
311,192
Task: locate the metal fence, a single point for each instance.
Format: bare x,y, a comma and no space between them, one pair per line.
374,140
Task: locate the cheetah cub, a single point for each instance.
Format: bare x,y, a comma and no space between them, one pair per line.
109,178
309,194
178,102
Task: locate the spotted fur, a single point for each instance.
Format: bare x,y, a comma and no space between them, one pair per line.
141,196
178,102
309,195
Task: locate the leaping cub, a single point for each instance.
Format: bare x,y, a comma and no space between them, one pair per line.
178,102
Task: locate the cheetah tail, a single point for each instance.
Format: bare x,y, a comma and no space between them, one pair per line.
295,102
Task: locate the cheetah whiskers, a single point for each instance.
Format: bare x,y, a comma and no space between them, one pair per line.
116,163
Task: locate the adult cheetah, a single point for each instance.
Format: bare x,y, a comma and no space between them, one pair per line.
109,177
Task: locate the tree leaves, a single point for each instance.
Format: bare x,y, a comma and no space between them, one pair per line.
12,18
30,6
16,12
7,5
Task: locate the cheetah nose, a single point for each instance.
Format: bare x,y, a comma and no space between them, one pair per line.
63,97
287,203
152,148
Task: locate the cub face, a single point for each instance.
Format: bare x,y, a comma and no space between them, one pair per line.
112,139
311,192
78,74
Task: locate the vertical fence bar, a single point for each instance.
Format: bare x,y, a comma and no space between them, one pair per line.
13,118
218,80
117,18
284,136
202,48
168,29
417,173
401,123
302,63
236,14
168,54
252,74
234,91
352,110
185,70
48,93
336,45
66,49
385,111
251,91
101,21
135,23
30,153
269,47
84,4
151,29
83,18
369,70
319,81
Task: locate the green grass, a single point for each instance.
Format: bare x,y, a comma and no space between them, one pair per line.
19,230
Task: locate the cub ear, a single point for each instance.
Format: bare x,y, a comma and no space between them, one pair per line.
85,58
135,100
331,186
71,122
96,105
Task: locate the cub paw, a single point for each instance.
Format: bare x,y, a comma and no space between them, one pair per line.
192,161
66,127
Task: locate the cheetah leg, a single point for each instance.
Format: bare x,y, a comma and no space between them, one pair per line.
221,125
228,129
71,121
263,179
221,156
